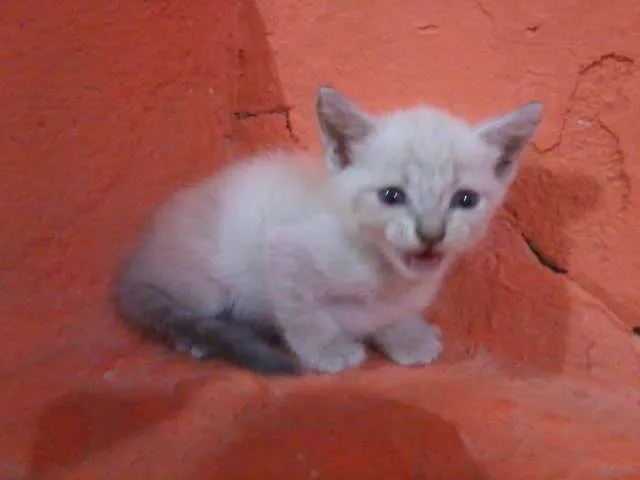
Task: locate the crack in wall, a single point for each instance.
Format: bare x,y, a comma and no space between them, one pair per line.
428,28
485,11
603,58
588,356
621,176
285,112
582,72
544,260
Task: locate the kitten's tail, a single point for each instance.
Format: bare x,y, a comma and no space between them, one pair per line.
159,315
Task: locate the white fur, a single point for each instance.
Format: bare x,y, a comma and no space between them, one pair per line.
281,239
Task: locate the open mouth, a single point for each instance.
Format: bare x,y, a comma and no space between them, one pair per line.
427,260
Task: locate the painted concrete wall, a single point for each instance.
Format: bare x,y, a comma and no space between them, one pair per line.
107,107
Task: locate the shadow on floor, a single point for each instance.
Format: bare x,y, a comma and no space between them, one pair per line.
83,423
336,436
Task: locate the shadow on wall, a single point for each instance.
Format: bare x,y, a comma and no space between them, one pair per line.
332,436
507,298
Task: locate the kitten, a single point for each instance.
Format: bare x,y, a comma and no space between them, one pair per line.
280,248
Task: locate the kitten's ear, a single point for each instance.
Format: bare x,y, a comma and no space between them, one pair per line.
342,124
511,133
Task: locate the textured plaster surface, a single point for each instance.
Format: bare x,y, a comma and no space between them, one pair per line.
108,107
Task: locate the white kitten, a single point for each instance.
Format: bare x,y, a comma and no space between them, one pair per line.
280,248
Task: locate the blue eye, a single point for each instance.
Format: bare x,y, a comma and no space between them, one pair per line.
466,199
392,196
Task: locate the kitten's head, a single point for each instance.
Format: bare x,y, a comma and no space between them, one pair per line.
420,184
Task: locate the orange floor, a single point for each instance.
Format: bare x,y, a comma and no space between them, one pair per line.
106,107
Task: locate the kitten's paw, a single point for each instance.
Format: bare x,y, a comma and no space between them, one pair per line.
197,351
341,354
412,343
201,352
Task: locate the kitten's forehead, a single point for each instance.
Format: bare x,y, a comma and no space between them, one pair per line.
424,142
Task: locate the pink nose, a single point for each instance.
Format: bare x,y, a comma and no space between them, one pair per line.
430,237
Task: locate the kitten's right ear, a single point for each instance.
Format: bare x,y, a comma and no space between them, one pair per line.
342,124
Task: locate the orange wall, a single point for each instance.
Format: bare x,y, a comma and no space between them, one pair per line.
107,107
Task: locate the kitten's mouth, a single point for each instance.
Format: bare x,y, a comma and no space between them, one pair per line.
423,261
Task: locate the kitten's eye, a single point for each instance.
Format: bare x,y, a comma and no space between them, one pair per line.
392,196
465,199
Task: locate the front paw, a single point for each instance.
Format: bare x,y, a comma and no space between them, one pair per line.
411,343
336,356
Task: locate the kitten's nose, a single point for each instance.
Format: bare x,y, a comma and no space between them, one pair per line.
430,233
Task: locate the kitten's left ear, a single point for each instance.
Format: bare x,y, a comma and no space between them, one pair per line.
342,125
511,133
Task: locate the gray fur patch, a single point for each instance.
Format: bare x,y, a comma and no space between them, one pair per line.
158,315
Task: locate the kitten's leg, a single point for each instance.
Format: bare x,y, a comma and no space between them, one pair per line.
309,330
317,341
412,341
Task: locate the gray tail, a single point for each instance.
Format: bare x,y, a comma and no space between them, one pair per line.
222,336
